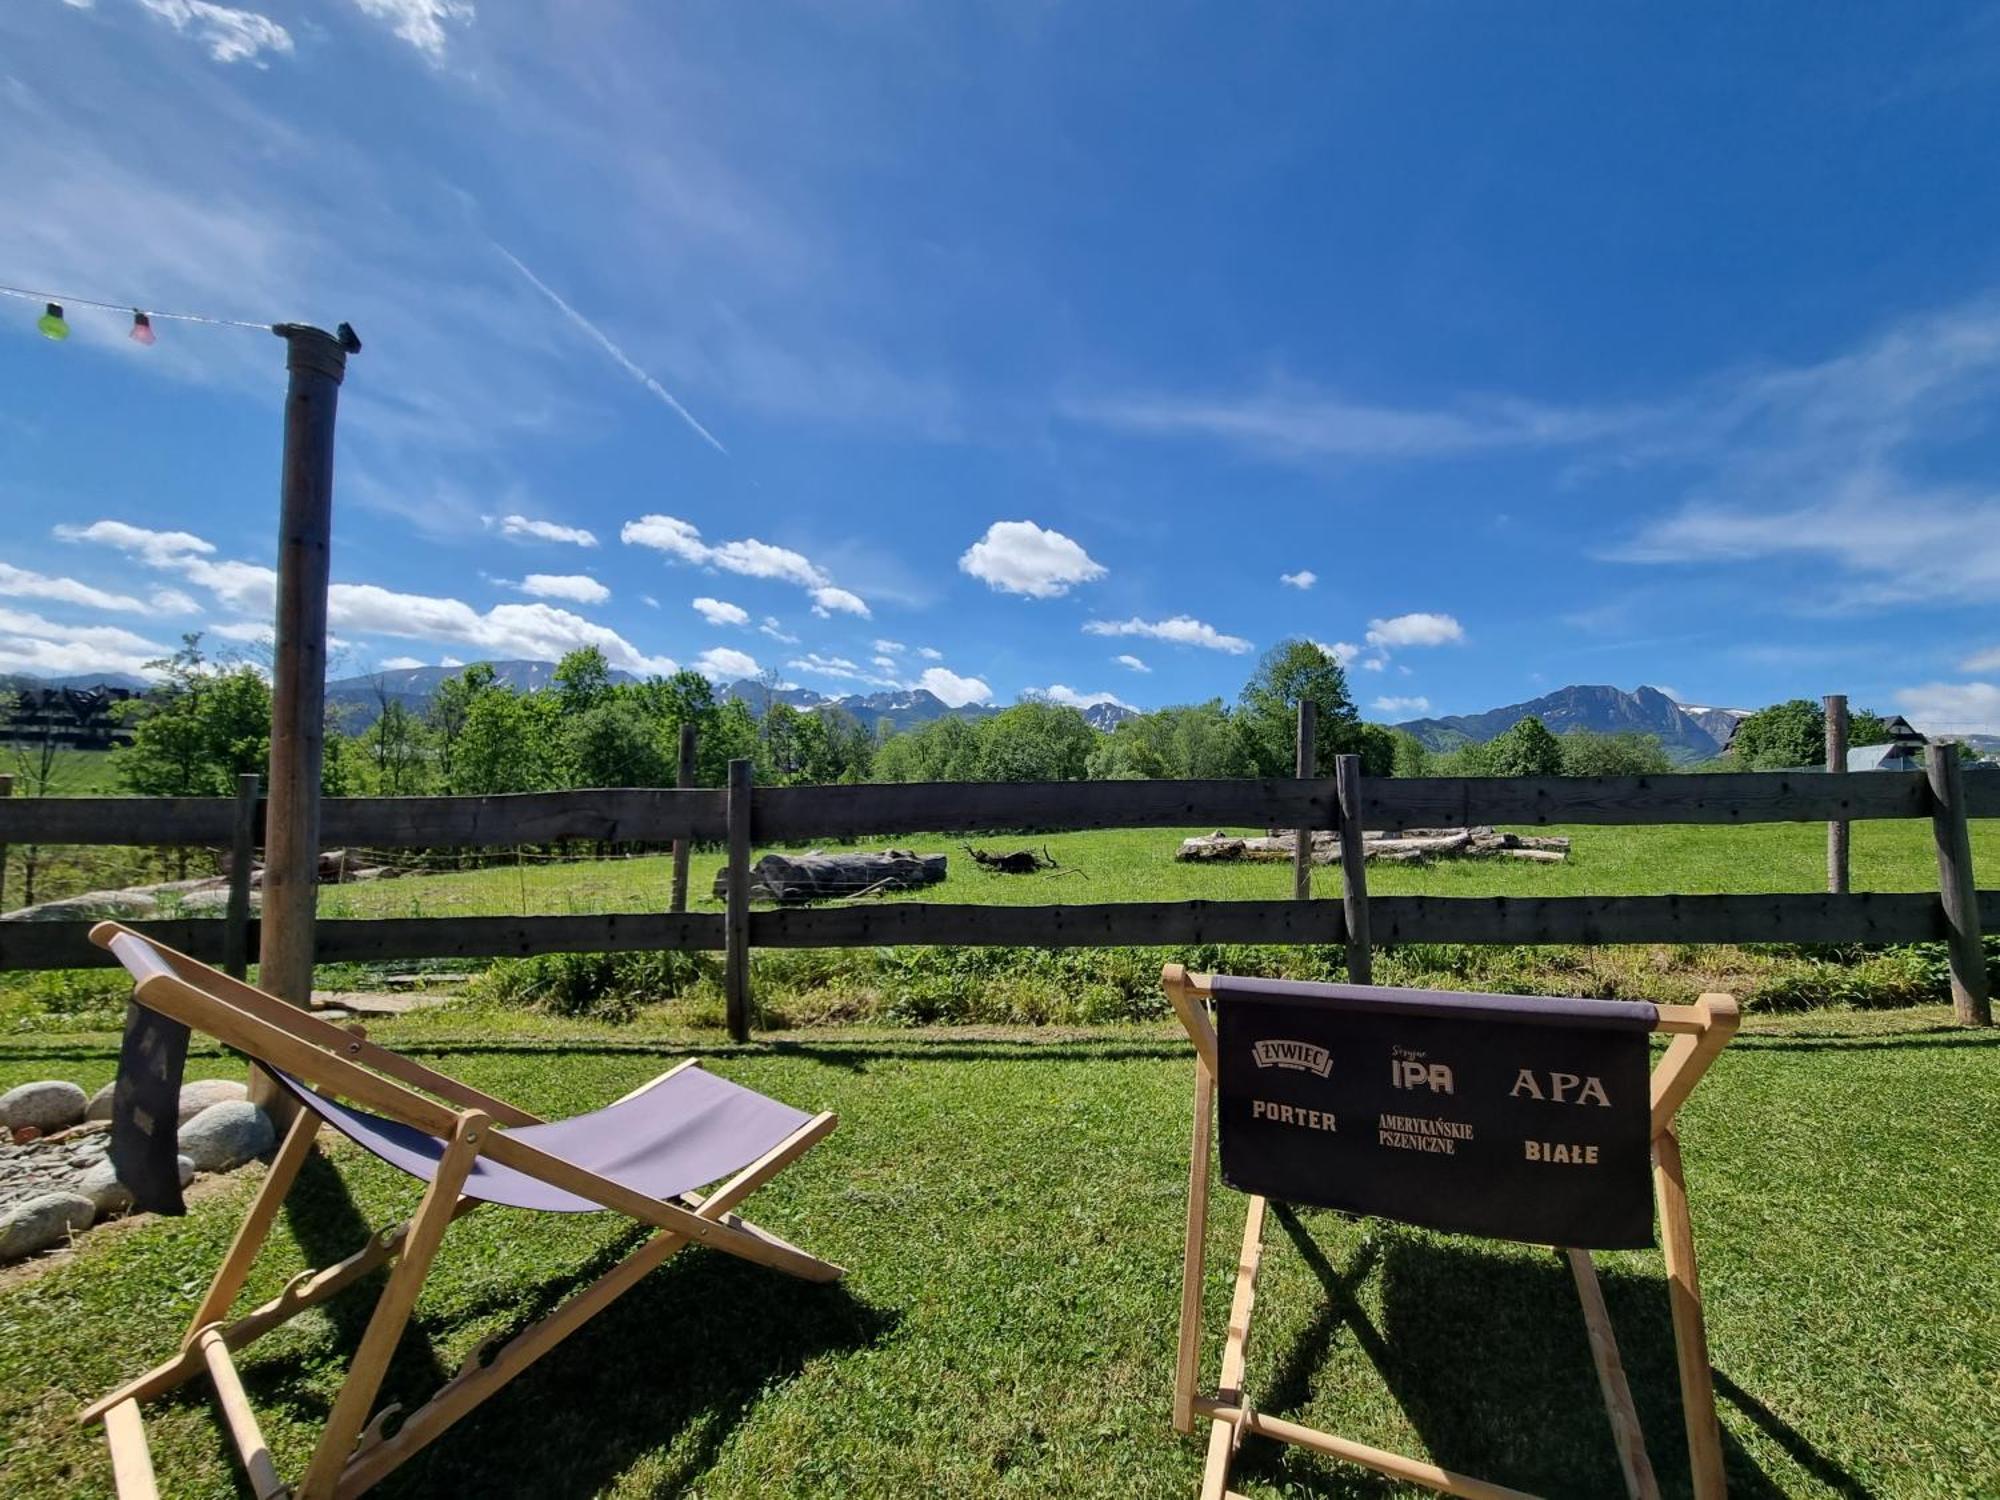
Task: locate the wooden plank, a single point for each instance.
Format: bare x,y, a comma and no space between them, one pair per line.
1354,870
1866,917
736,916
1836,764
6,800
1626,1434
683,846
242,853
1971,999
241,1421
790,814
1704,1433
1728,797
117,820
1395,1465
131,1460
1194,1258
1305,765
616,815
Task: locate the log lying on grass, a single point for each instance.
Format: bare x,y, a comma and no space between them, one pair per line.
817,877
1395,848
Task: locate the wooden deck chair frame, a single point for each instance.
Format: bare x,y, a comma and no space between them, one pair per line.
353,1453
1699,1031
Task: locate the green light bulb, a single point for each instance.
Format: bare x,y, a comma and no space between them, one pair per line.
51,323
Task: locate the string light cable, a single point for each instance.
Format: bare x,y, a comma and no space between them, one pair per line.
55,325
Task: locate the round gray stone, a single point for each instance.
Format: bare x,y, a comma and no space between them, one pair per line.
49,1105
108,1195
43,1223
99,1107
197,1096
226,1135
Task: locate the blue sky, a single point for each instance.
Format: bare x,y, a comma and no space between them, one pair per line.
1029,347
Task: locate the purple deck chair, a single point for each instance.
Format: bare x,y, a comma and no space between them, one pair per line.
644,1156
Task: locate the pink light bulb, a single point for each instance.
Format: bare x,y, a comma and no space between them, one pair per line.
142,329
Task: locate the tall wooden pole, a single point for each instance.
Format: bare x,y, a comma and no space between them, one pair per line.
1971,997
1305,767
315,362
1836,760
242,854
6,790
683,847
736,912
1354,871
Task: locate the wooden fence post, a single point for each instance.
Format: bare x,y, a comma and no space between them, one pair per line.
736,914
1970,996
1306,766
1353,869
315,363
683,847
1836,760
6,790
242,854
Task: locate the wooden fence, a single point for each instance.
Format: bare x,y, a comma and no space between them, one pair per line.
742,816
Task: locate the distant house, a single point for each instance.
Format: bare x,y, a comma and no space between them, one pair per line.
1904,750
82,718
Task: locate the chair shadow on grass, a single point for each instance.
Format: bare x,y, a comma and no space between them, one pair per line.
1486,1357
671,1367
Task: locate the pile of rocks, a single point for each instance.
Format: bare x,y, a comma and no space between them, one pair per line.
56,1179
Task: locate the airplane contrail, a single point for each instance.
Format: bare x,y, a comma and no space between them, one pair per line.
631,366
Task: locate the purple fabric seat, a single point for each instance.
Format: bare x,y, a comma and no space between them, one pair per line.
688,1131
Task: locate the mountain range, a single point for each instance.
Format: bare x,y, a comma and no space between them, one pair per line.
1686,733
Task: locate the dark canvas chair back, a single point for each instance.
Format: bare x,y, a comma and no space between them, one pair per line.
1513,1117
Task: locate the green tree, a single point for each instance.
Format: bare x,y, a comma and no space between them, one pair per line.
1587,753
1376,745
1410,756
397,751
1035,740
505,745
946,749
1527,748
614,743
1268,715
582,680
1196,741
1784,736
194,734
450,706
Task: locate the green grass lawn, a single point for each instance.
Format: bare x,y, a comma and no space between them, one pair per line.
1138,865
1010,1210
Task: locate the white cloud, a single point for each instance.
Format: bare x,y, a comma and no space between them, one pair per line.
886,663
649,601
829,599
1377,664
450,661
1414,705
1305,578
1131,663
1415,630
1182,630
24,583
35,644
1673,693
231,35
420,22
1019,557
930,653
953,690
723,664
1071,698
840,669
171,602
247,588
537,632
254,632
1979,661
889,648
748,557
1952,707
155,548
1343,652
776,631
518,527
721,611
579,588
400,663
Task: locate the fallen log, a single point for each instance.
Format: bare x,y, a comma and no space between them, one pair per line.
1399,847
793,878
1019,862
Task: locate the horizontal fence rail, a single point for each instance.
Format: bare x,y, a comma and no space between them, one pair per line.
1874,917
790,814
743,816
